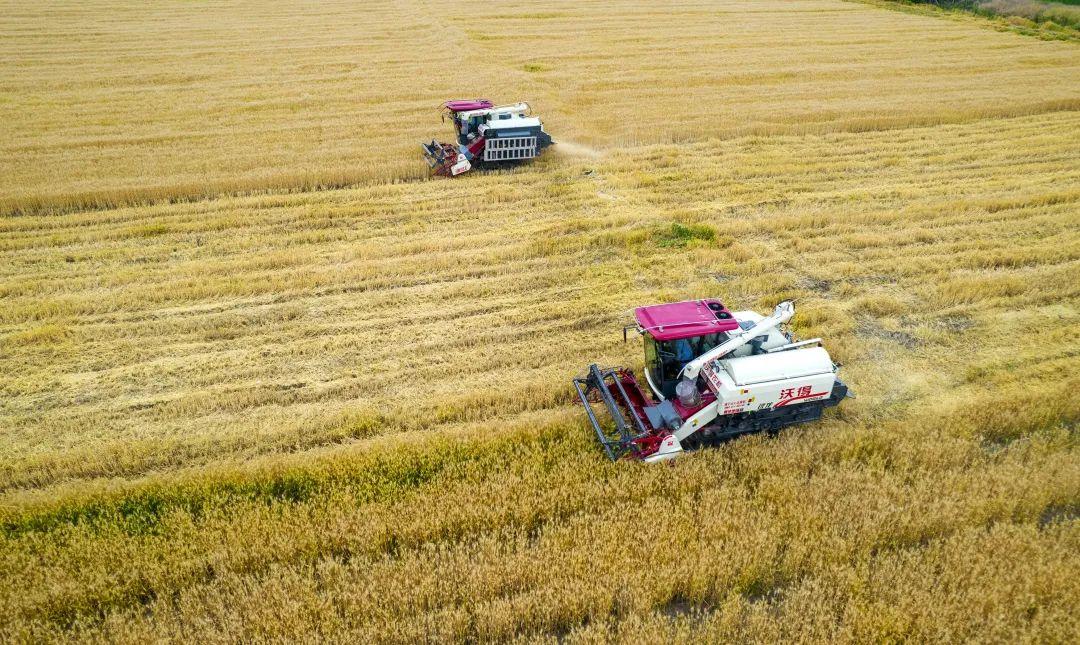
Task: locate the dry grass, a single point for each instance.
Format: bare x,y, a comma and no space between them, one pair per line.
346,413
107,105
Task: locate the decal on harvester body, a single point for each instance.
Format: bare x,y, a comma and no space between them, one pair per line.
789,395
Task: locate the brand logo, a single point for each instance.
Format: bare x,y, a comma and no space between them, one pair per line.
791,395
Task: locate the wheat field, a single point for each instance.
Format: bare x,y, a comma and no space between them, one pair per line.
261,381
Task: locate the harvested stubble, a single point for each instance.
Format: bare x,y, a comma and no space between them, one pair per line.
107,103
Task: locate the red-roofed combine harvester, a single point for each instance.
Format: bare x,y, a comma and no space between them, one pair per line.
486,135
712,375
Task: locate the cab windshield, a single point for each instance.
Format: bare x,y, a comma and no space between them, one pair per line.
665,359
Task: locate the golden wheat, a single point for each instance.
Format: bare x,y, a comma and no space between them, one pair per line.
346,413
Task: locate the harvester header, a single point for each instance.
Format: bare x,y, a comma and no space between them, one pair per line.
486,134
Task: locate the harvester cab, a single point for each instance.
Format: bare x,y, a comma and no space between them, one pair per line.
675,334
711,375
485,135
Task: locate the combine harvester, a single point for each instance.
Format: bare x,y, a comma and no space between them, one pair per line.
713,375
487,135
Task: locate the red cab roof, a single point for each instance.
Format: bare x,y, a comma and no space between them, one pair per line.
685,319
466,105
